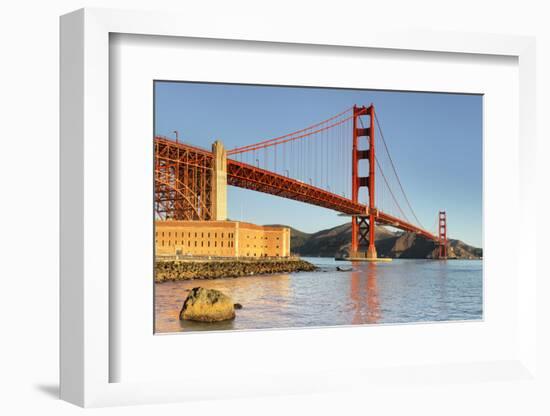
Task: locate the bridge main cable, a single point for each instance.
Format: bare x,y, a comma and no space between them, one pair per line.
395,172
293,136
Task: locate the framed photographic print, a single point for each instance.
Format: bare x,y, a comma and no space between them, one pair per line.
313,227
294,201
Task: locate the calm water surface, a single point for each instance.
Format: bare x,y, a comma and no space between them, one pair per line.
372,293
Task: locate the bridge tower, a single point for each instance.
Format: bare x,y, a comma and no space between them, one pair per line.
219,182
442,231
359,226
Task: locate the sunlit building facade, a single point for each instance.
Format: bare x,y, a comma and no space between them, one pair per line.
220,239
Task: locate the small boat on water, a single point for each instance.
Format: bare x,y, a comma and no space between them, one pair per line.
344,268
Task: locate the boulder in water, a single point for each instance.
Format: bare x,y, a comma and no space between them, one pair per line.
207,305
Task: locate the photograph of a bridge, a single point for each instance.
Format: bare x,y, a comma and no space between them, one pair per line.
293,207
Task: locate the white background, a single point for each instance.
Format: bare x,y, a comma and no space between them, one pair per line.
29,172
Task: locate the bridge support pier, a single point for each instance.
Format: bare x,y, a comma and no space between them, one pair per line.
361,236
371,251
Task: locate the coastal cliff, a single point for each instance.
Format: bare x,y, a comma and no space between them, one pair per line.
335,242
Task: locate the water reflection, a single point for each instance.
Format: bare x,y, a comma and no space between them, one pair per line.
441,282
259,295
364,294
371,293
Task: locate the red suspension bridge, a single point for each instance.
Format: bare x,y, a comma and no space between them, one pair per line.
320,165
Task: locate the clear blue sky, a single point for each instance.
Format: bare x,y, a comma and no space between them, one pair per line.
435,141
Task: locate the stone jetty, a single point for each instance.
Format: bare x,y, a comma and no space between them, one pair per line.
170,270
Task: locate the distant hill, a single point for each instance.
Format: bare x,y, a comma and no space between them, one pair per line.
395,244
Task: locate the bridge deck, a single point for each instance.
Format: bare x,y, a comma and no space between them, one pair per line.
250,177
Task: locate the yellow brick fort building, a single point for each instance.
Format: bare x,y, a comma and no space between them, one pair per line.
220,239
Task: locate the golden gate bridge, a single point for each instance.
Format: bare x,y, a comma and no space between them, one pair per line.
319,165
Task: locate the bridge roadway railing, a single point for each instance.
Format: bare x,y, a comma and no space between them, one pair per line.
251,177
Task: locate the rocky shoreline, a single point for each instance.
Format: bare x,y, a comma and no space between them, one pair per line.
171,270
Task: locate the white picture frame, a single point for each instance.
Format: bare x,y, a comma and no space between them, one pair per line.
87,302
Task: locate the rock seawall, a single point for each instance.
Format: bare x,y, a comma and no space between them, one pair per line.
170,270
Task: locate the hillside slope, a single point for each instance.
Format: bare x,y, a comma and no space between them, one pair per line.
335,242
